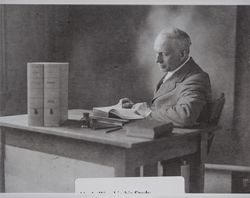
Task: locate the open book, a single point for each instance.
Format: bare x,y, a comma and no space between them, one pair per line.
116,111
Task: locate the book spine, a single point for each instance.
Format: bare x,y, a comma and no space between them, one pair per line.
119,122
35,94
141,132
55,93
64,79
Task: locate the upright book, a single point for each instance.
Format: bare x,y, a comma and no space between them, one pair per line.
55,93
35,81
47,93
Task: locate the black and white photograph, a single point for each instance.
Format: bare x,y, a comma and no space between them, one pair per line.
124,90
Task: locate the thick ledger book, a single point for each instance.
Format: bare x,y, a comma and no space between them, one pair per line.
116,111
150,129
55,93
35,80
98,122
47,93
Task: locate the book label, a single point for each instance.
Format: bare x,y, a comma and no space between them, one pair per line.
51,116
51,83
35,116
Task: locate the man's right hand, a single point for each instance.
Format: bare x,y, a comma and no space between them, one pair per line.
126,103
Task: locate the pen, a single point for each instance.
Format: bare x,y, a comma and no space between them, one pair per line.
114,129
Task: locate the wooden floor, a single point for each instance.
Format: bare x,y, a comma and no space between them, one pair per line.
217,181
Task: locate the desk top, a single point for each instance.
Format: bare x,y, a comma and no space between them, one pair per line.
117,138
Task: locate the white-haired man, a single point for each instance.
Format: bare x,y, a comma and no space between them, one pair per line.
183,92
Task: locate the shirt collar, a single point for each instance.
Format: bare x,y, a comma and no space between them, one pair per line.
170,73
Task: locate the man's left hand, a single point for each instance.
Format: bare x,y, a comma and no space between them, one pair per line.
142,108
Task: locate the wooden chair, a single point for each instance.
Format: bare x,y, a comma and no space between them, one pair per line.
216,109
214,112
209,117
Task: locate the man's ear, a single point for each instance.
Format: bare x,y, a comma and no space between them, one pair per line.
183,54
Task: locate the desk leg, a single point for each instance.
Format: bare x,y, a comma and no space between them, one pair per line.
124,166
196,181
172,167
124,171
197,172
150,170
197,166
2,157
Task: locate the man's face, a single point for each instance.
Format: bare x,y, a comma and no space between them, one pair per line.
168,56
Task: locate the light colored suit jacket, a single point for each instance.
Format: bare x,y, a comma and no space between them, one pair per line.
182,97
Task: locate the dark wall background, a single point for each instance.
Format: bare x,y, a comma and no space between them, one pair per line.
110,51
241,130
32,33
103,55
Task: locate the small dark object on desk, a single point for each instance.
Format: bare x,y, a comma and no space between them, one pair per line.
96,122
85,120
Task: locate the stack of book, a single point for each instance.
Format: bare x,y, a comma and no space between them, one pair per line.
117,111
115,117
99,122
47,93
112,116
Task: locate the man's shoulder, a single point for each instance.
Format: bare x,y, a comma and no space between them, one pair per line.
195,71
191,71
193,66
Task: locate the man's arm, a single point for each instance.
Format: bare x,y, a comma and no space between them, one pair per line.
192,97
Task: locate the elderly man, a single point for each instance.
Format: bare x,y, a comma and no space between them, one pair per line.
183,92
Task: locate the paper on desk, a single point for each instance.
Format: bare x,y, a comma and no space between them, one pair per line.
128,186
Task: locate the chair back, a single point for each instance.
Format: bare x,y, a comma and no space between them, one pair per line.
215,109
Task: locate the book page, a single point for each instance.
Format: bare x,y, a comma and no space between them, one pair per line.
108,108
126,114
117,110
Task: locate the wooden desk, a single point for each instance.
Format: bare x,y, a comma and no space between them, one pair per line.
115,149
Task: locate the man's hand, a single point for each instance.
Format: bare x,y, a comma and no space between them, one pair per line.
126,103
142,108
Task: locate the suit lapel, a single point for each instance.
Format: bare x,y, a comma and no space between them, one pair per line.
160,83
177,77
165,88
